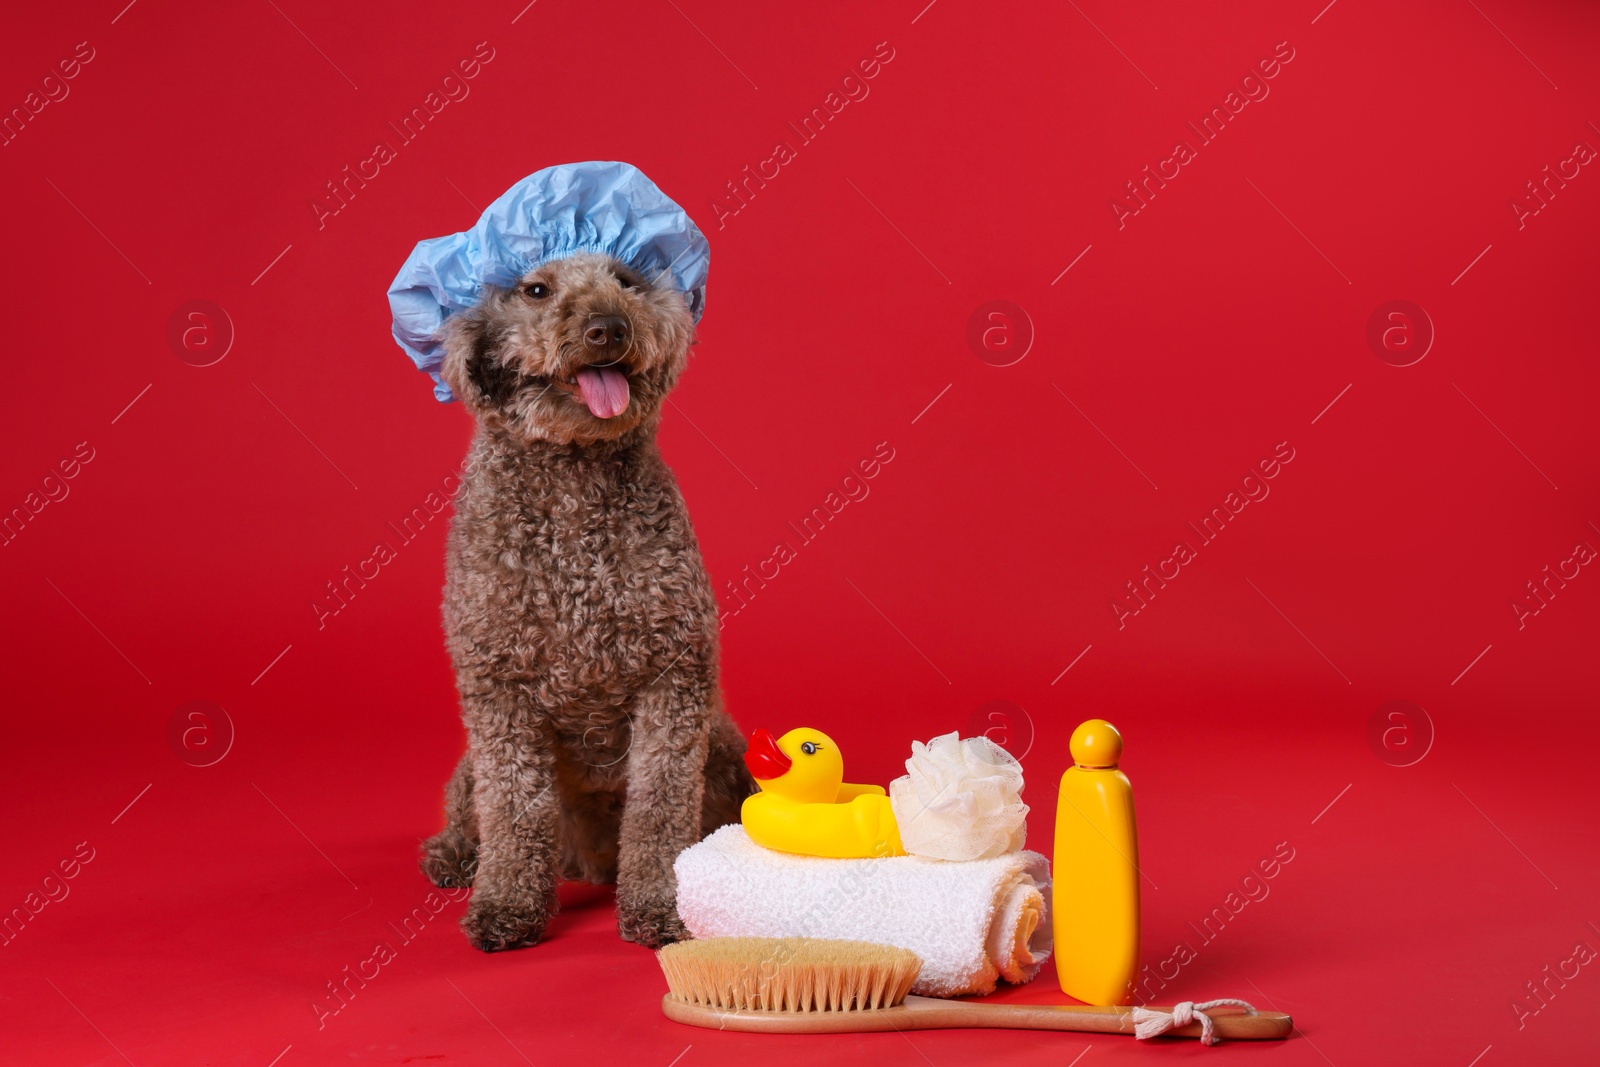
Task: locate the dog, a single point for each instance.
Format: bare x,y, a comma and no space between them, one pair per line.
579,619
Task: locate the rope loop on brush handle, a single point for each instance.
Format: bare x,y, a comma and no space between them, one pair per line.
1148,1023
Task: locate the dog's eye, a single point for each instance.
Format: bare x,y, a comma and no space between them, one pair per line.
537,290
627,281
808,747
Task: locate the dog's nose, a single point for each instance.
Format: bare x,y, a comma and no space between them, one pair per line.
606,331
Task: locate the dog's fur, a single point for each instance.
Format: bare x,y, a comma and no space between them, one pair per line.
578,615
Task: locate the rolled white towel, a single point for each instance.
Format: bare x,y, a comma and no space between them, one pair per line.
971,921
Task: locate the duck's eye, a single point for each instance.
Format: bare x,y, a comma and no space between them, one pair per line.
808,747
537,290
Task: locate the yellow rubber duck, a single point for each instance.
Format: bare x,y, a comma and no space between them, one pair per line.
806,807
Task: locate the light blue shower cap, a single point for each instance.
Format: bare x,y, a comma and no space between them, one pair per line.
577,207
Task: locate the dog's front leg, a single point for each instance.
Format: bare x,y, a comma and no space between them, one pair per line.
666,780
518,811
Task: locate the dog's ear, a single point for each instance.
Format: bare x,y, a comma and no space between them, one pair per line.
471,344
496,381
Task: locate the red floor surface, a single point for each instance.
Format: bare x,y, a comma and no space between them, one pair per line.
1426,537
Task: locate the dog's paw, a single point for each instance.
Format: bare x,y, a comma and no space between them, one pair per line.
449,860
494,926
651,927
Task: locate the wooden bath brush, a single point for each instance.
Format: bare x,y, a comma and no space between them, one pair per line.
812,986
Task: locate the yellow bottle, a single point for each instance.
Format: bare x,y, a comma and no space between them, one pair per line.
1095,903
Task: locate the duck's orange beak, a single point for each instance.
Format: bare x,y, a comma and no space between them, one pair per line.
764,758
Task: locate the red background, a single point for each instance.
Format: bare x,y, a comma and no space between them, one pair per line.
1222,319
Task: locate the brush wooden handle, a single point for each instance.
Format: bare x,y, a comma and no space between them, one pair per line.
927,1013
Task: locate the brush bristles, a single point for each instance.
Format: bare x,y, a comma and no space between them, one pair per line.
788,974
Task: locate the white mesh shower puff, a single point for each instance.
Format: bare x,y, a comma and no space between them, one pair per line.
960,799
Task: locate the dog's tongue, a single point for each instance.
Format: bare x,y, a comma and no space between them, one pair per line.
605,390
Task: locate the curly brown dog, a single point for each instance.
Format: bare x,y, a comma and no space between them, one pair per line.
579,618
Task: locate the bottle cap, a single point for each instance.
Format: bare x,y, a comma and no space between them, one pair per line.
1096,743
